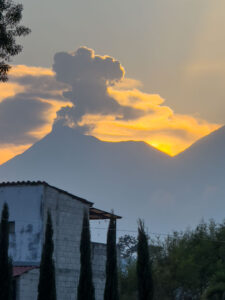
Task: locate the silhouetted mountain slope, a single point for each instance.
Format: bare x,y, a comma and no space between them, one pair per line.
131,177
205,159
211,146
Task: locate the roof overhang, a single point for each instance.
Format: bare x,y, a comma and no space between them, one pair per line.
98,214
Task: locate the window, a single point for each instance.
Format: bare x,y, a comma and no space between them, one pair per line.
11,227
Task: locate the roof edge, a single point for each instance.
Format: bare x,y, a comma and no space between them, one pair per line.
99,214
44,183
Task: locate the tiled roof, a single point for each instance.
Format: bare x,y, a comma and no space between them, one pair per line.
16,183
18,271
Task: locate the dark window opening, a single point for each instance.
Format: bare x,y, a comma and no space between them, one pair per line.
11,227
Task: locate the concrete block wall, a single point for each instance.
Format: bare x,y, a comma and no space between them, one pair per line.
67,217
27,285
67,279
98,251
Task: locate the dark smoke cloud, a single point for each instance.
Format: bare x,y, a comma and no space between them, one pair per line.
89,75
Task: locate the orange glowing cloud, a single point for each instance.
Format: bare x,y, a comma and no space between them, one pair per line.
22,70
160,127
9,151
9,89
170,135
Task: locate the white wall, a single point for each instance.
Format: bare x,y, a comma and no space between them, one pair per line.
25,208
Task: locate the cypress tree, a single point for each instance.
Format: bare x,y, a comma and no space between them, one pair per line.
111,286
85,289
144,274
46,286
5,261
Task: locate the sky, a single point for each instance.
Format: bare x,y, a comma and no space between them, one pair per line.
136,70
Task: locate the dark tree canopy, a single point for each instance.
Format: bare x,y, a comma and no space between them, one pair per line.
5,261
111,286
144,272
46,286
85,289
10,29
128,247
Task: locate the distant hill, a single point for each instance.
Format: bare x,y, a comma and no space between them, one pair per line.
133,178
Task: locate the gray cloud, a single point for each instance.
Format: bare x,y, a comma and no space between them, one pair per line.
89,75
19,116
46,87
24,112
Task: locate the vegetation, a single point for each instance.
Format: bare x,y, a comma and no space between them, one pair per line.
187,265
5,261
85,288
216,288
128,281
46,286
111,286
10,17
128,247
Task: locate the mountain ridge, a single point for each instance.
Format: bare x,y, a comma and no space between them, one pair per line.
132,177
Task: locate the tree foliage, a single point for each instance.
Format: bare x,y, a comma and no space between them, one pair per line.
85,288
47,286
144,272
189,261
216,288
188,265
10,29
5,261
111,286
128,281
128,247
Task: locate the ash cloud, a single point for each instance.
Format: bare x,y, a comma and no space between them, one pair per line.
89,76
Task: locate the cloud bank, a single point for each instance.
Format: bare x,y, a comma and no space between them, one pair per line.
28,106
90,92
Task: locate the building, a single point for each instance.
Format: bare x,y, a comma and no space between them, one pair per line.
28,205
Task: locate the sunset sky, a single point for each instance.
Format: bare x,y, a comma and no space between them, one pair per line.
144,70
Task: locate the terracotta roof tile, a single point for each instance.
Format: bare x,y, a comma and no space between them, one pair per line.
18,271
